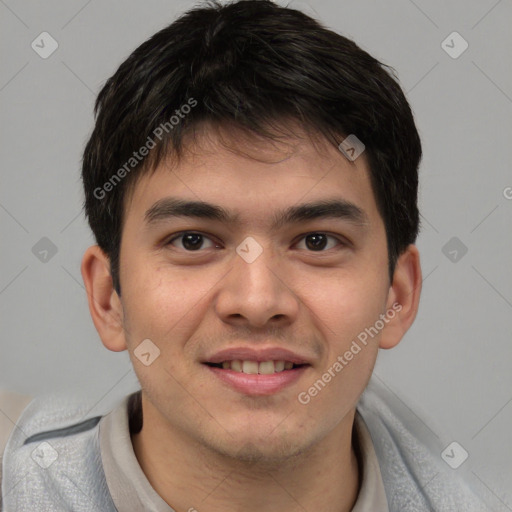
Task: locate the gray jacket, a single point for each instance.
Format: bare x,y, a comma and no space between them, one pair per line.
52,460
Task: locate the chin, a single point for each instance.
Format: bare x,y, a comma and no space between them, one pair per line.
264,449
269,455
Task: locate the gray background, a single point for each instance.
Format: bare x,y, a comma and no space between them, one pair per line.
453,368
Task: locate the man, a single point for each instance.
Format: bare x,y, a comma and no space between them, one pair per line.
251,182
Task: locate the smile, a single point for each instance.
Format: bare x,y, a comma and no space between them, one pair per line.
255,378
255,367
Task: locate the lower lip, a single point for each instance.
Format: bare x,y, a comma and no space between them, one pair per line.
257,384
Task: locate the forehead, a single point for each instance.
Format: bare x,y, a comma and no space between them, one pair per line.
253,178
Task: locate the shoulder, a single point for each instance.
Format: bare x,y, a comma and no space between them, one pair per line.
408,449
11,405
49,416
52,457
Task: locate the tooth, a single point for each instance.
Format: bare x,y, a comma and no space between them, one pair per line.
266,367
288,365
226,365
250,367
278,366
236,365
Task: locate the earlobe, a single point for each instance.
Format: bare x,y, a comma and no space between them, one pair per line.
104,303
403,298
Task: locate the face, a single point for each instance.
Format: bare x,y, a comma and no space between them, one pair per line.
232,295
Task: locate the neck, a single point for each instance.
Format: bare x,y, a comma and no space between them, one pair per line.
189,475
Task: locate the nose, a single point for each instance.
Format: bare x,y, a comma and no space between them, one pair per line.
257,294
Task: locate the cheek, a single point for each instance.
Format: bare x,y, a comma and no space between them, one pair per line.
343,310
164,305
346,304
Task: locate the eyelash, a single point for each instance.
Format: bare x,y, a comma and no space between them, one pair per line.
183,233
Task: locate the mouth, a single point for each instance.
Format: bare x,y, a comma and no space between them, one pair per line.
251,367
256,373
265,370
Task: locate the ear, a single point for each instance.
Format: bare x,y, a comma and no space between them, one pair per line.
403,297
104,303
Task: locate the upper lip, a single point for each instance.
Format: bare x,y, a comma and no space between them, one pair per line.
259,355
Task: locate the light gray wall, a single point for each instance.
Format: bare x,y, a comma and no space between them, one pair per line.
453,368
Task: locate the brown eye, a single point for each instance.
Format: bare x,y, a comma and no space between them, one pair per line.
319,241
191,241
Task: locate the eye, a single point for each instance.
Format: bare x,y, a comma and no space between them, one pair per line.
318,242
191,241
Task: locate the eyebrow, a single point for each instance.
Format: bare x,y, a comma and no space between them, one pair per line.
170,207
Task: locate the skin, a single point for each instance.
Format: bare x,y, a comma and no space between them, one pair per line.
203,444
